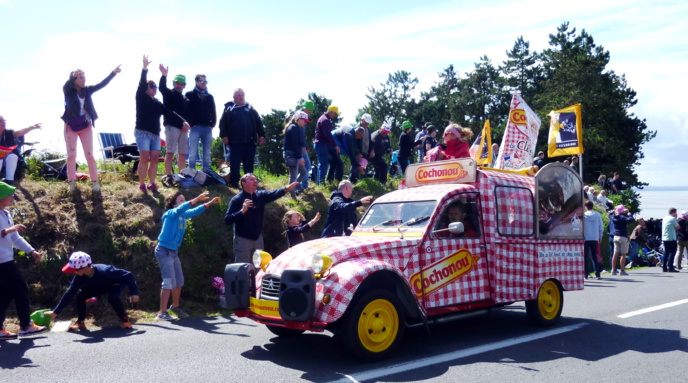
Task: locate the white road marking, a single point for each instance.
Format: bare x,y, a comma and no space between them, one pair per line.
454,355
651,309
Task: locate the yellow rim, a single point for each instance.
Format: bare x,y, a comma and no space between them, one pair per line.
378,325
549,300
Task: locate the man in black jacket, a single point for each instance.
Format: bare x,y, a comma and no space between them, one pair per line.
202,117
378,148
341,215
240,129
246,211
176,135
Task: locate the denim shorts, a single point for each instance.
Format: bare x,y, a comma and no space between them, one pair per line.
170,267
146,141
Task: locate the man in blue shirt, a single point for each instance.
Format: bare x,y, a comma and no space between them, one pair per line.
669,227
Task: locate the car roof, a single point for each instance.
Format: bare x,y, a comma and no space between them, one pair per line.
426,193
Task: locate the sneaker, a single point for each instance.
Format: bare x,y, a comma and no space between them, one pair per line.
142,187
4,334
78,326
598,277
623,272
153,188
673,271
166,181
164,316
615,272
72,186
179,312
32,329
126,324
96,187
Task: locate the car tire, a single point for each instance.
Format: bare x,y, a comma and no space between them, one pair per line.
374,325
545,310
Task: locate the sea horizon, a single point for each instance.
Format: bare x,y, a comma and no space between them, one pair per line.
655,201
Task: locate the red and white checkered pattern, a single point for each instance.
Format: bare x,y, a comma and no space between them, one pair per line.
509,267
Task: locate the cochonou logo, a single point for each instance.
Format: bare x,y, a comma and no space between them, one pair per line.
442,272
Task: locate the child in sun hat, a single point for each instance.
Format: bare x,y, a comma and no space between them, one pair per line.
167,250
93,280
12,284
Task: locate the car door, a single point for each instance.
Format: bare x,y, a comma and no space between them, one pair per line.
453,267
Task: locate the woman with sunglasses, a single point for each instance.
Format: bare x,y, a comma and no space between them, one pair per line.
79,118
456,140
147,130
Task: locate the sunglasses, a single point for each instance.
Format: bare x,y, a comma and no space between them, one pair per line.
202,81
152,86
179,83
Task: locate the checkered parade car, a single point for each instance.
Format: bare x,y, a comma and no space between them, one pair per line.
455,242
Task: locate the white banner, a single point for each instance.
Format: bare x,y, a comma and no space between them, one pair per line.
520,137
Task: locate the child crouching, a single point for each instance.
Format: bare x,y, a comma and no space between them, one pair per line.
94,280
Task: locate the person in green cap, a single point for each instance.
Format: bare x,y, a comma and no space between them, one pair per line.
406,144
12,284
176,135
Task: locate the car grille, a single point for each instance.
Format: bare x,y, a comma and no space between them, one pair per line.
269,287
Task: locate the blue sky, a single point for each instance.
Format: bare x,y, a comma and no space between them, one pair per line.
279,51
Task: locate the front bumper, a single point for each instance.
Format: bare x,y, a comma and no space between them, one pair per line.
267,312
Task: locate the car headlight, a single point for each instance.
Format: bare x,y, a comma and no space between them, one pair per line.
261,259
320,263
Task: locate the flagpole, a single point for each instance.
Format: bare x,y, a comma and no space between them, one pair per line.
580,166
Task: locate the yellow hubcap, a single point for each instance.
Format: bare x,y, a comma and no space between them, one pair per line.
378,325
549,300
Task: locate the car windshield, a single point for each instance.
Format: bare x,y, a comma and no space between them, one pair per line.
393,214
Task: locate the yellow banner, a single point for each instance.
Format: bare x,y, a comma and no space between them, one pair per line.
265,308
565,132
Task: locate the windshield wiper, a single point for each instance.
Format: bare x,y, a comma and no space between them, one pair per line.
417,220
385,223
411,223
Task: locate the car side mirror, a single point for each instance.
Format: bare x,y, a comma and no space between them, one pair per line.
456,228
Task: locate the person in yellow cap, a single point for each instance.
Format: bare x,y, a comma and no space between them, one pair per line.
12,284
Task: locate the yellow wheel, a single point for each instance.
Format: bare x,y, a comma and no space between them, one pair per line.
374,325
546,309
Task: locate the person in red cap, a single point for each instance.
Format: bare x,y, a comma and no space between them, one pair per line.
12,284
293,148
94,280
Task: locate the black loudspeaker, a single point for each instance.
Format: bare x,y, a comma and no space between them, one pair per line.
297,295
240,285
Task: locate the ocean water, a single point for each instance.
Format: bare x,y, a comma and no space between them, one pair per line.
656,201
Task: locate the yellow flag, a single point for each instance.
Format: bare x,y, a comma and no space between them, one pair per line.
565,132
481,149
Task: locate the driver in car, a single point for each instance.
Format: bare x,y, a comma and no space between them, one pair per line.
455,213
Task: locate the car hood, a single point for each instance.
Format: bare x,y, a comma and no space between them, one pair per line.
344,248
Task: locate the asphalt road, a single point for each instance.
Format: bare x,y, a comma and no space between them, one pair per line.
591,343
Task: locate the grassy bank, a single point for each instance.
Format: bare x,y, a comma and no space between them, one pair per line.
120,226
